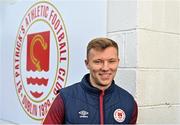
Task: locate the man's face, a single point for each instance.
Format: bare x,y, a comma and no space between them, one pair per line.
102,66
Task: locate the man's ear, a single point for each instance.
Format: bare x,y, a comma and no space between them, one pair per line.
87,63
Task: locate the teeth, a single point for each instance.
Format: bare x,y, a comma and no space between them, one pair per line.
105,75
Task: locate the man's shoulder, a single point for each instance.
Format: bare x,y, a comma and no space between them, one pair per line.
124,97
70,87
71,90
122,92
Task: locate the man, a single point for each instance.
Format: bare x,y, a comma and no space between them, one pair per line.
96,99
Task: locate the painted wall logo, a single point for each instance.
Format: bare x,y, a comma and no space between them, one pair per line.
41,58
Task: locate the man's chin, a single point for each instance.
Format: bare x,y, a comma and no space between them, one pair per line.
105,82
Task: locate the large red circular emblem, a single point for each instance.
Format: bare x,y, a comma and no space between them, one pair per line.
41,58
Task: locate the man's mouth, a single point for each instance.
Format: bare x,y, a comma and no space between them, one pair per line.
105,75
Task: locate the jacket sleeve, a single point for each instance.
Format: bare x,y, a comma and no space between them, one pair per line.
134,114
55,114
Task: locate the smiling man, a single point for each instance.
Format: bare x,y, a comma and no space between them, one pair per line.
96,99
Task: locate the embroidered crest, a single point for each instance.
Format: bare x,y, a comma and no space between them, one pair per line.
119,115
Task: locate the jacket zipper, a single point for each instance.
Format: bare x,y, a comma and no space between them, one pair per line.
101,104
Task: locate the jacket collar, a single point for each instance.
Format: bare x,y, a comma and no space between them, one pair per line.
85,83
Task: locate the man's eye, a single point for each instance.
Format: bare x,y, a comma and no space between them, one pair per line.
97,62
112,61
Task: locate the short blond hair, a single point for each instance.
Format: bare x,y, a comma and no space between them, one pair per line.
101,44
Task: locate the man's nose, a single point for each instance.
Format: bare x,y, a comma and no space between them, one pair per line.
105,66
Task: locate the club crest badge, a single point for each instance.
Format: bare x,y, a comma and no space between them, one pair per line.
119,115
41,58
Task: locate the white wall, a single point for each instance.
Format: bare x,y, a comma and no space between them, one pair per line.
158,81
9,98
1,9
